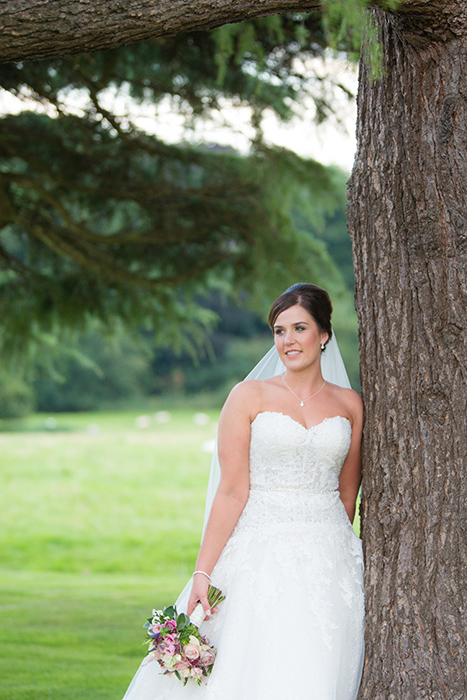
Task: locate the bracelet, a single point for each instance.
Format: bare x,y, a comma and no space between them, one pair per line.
202,572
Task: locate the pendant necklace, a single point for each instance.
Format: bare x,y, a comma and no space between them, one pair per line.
302,401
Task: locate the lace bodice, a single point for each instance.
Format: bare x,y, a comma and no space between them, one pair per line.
284,455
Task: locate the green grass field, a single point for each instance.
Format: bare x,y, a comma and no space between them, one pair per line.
100,521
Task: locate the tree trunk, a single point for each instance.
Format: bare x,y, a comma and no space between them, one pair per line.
38,28
407,217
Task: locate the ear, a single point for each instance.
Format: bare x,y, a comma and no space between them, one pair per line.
324,338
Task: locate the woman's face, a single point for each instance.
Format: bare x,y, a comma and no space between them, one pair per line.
297,337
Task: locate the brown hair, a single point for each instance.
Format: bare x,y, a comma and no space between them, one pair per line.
312,298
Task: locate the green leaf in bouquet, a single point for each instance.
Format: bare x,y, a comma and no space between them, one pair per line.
170,611
182,621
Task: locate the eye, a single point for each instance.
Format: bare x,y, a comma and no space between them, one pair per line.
277,331
300,328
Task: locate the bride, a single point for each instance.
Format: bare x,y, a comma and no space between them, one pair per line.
279,541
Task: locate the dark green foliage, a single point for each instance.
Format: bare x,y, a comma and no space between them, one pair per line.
348,24
235,345
16,396
104,226
127,371
331,229
101,374
102,222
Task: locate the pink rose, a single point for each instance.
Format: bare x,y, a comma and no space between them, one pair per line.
170,625
192,649
191,652
169,649
207,657
169,644
182,665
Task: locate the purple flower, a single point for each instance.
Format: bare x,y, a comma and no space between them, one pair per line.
154,630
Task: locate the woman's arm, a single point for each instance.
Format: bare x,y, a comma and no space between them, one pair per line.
232,492
351,472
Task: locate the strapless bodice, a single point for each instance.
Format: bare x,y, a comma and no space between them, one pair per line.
284,455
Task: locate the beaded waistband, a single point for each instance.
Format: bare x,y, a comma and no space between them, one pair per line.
300,489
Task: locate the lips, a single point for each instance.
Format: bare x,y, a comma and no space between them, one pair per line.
293,353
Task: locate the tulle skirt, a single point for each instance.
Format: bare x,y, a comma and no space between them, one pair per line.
291,626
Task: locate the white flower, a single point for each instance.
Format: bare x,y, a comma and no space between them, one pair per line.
168,661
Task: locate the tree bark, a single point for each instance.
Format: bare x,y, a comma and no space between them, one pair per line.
407,216
38,28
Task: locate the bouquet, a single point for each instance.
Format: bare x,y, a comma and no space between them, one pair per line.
176,643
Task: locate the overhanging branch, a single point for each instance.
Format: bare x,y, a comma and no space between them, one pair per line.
39,28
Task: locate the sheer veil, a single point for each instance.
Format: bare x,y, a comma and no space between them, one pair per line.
333,370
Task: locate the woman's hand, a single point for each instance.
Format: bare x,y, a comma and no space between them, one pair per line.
199,594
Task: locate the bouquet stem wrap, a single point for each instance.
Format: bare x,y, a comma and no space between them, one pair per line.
214,598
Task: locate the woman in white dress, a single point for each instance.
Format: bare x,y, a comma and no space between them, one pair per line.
279,541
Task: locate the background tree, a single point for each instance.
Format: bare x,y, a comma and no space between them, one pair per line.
107,227
103,221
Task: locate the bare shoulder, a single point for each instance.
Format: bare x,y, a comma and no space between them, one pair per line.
351,400
245,398
248,389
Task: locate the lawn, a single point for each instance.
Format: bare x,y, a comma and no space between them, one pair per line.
100,521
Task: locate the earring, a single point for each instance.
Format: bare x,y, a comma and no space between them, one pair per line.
322,347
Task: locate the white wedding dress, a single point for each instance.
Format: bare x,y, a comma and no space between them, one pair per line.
291,626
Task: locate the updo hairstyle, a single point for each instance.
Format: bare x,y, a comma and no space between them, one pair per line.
312,298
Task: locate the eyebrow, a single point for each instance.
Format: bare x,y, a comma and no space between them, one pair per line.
297,323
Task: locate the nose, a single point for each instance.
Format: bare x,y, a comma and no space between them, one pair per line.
289,339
